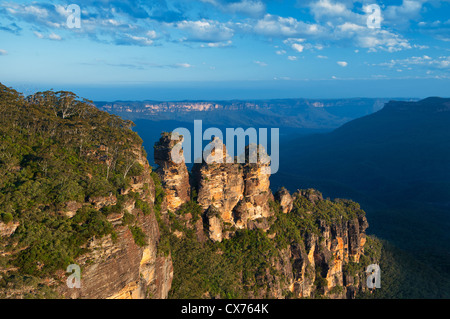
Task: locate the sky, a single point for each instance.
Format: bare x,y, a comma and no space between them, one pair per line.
218,49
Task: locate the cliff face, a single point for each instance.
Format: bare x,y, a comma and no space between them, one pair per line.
174,175
327,253
119,268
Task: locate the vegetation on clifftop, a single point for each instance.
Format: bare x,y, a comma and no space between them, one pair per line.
57,149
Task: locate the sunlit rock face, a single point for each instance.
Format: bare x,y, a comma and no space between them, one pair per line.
172,170
285,199
238,191
219,181
118,268
252,211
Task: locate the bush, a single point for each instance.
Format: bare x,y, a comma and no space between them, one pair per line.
138,236
143,206
7,217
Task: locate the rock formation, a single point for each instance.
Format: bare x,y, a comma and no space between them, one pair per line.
8,229
172,171
219,183
238,192
285,199
255,204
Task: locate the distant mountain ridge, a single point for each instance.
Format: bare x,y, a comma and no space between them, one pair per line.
294,113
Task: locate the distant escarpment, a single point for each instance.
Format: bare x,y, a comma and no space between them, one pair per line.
248,243
295,113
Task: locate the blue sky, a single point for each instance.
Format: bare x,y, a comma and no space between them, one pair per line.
218,49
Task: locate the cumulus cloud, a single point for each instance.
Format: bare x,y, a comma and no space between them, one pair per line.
276,26
217,44
205,30
129,39
342,63
54,36
298,47
400,15
329,8
142,23
120,22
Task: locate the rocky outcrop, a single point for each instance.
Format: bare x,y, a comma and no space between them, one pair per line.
285,199
7,229
214,224
219,183
336,245
172,171
255,204
238,192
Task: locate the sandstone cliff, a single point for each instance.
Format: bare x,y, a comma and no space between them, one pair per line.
174,174
119,267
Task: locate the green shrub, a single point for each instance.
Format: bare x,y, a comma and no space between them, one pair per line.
138,236
143,206
6,217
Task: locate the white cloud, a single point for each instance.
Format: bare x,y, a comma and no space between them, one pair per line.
151,34
39,35
292,58
280,52
327,7
206,30
217,44
347,26
276,26
322,57
402,14
260,63
342,63
54,36
252,8
298,47
183,65
3,52
442,62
